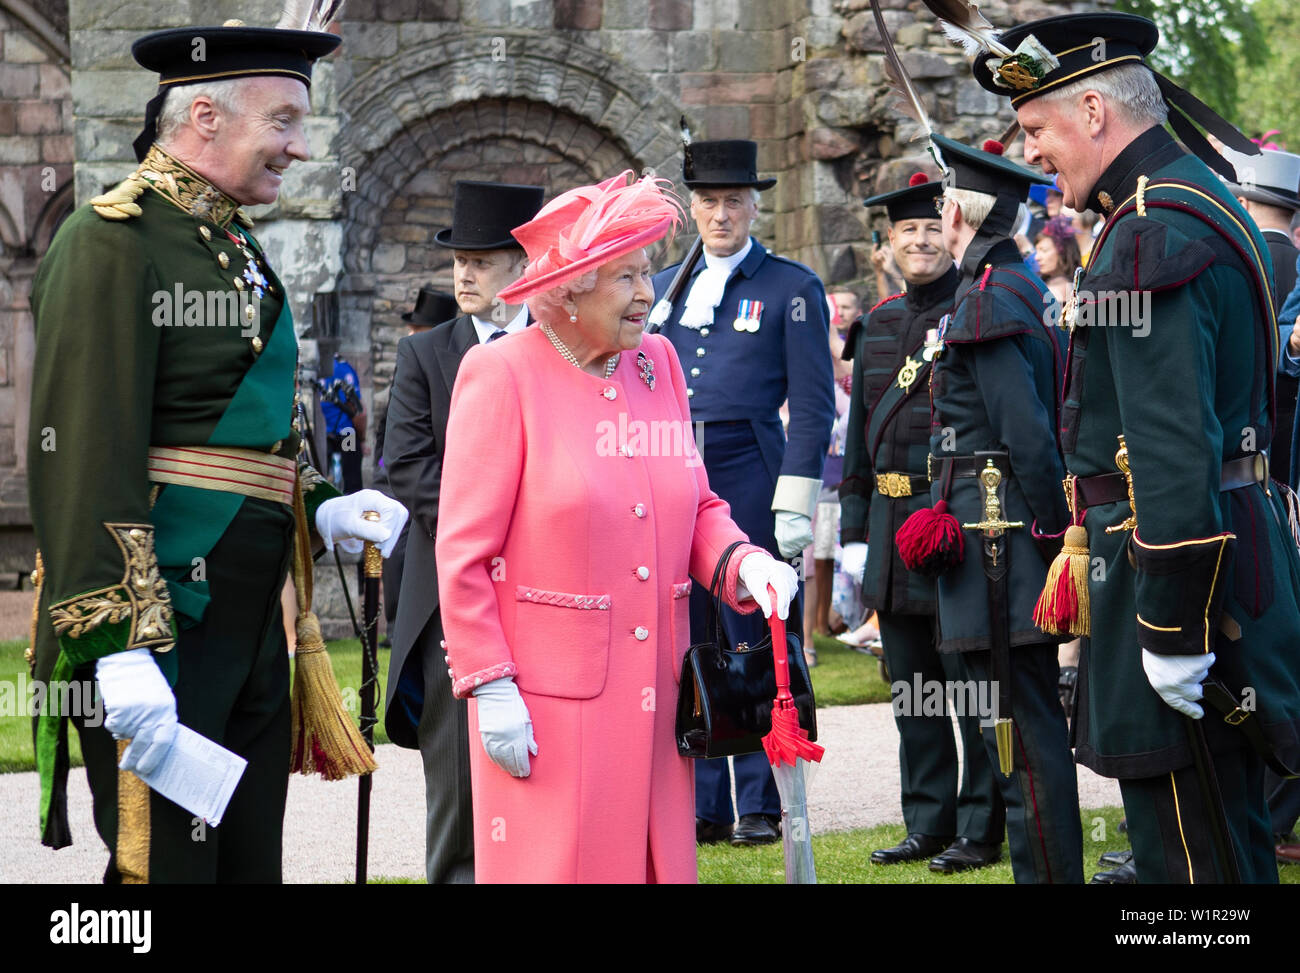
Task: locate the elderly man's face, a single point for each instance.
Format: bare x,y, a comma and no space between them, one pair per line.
252,148
1060,137
723,217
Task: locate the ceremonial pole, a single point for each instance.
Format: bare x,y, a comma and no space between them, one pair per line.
373,569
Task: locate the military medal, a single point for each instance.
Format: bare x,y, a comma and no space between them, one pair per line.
907,374
933,345
747,315
252,275
1071,313
647,368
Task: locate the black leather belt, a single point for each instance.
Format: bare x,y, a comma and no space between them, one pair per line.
1222,699
902,485
963,466
1104,488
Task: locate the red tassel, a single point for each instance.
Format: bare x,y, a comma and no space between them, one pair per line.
930,541
1064,607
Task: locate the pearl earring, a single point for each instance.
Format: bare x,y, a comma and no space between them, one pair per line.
573,319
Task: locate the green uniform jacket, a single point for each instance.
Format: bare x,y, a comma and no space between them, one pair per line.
1184,375
889,432
995,388
142,340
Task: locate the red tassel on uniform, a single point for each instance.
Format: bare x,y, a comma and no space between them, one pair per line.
930,541
1064,607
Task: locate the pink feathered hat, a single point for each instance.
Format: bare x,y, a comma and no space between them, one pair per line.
579,230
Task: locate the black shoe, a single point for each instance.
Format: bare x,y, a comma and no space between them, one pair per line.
1126,874
1122,827
964,854
711,832
913,848
1114,859
757,829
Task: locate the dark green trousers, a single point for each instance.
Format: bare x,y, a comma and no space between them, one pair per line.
232,687
1169,830
1042,794
927,756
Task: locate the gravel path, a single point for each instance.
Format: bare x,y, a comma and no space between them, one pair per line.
856,786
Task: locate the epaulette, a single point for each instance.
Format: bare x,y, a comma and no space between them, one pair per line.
243,219
1002,302
119,203
885,300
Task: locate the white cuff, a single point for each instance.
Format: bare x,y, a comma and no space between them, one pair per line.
797,494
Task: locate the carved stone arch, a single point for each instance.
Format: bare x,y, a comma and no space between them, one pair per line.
400,114
52,215
11,240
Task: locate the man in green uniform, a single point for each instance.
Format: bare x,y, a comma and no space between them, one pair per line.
884,482
163,461
994,461
1191,665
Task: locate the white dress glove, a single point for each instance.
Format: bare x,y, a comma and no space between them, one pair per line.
339,521
853,560
759,569
793,532
135,693
1178,678
504,726
147,749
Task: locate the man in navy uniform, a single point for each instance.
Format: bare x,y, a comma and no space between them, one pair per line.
994,460
420,710
884,483
751,332
1197,603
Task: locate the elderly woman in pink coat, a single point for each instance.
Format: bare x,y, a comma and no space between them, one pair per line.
574,513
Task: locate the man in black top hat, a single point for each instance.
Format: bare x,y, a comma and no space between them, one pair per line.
165,517
751,331
432,306
1167,417
420,710
884,482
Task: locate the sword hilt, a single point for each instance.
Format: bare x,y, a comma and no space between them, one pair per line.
374,561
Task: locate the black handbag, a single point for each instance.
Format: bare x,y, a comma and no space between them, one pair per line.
725,704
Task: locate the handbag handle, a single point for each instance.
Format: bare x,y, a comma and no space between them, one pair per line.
715,598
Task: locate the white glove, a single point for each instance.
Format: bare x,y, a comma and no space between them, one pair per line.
853,560
759,569
148,747
793,532
504,726
135,693
339,521
1178,678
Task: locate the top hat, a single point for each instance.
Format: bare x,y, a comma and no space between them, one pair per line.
588,226
916,202
484,213
184,55
432,306
1272,177
727,162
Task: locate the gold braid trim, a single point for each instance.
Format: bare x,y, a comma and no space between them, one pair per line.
141,596
133,825
38,575
119,203
186,189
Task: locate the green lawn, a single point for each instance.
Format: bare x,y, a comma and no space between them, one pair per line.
843,858
844,677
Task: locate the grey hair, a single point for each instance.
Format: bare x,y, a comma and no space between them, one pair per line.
975,207
753,194
548,306
226,93
1131,88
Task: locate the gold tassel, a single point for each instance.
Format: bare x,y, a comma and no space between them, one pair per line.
325,738
1064,607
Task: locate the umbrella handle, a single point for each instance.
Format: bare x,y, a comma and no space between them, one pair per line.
780,656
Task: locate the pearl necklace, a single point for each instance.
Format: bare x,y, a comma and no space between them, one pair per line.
568,356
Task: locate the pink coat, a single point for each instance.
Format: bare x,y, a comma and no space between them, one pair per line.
564,562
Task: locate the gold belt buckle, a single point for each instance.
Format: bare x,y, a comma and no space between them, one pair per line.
894,484
1236,717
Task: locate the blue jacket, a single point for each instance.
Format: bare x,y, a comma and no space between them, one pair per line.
736,375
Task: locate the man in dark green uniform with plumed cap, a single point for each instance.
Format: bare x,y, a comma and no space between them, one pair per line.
163,460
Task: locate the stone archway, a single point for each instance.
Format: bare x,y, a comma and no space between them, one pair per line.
505,107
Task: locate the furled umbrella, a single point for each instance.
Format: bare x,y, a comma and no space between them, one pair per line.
793,757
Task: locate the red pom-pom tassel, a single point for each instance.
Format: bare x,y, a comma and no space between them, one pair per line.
930,541
994,147
918,179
